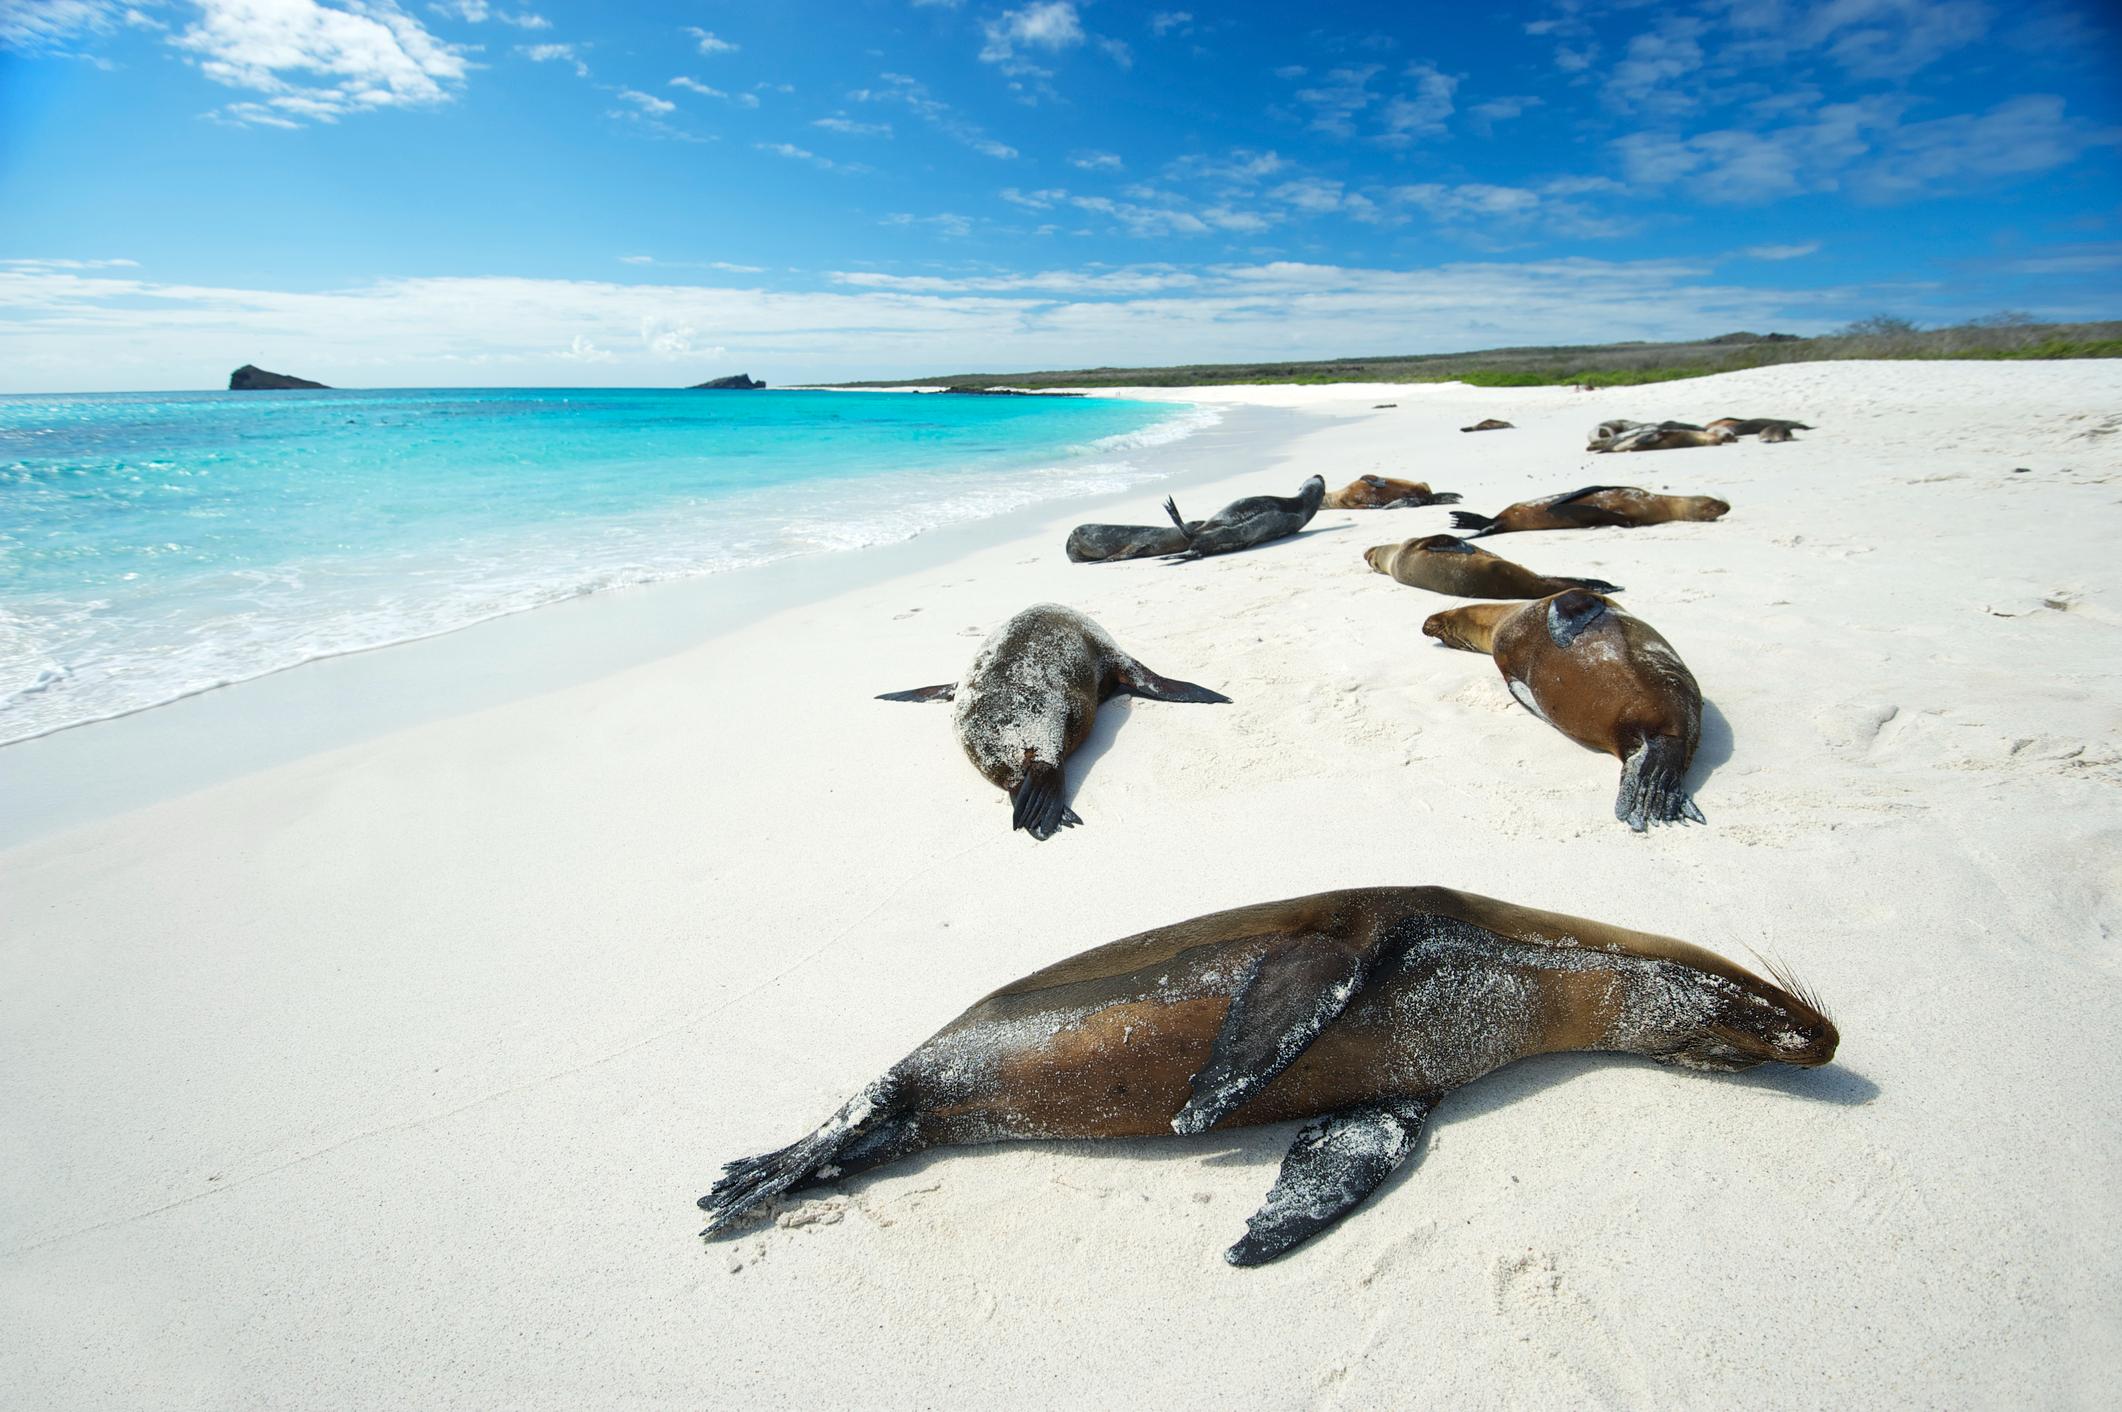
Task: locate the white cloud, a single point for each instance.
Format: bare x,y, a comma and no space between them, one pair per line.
647,102
554,53
1165,21
709,42
479,12
1096,161
1781,252
1422,113
799,154
708,90
1336,101
1051,25
850,128
70,330
946,223
70,264
312,61
914,95
1866,148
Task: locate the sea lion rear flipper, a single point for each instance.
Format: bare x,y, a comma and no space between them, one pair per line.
946,692
1651,780
1445,497
1296,989
1039,808
1468,520
1138,680
1335,1163
1171,508
1595,585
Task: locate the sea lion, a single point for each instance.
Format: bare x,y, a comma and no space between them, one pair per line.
1254,520
1097,544
1490,424
1385,493
1603,678
1029,699
1357,1009
1654,436
1767,428
1595,506
1444,563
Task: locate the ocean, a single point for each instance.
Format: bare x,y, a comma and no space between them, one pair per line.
153,545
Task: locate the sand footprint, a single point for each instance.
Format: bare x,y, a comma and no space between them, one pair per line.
1530,1292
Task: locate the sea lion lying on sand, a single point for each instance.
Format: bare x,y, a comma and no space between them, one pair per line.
1443,563
1603,678
1654,436
1029,699
1385,493
1256,519
1358,1010
1490,424
1096,544
1594,506
1767,428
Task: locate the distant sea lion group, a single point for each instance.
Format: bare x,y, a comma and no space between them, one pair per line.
1357,1011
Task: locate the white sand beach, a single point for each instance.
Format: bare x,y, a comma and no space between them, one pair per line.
386,1075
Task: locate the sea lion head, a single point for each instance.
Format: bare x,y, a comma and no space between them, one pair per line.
1312,492
1713,508
1380,556
1775,432
1736,1020
1470,629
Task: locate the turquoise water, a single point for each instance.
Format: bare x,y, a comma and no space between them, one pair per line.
154,545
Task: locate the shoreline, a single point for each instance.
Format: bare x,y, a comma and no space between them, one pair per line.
401,1064
73,774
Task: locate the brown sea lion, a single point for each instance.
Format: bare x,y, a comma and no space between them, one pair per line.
1256,519
1603,678
1595,506
1444,563
1490,424
1385,493
1767,428
1358,1009
1029,699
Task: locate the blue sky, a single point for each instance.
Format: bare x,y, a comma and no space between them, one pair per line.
547,193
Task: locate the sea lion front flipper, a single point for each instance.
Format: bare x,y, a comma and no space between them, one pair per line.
946,692
1138,680
1335,1163
1296,989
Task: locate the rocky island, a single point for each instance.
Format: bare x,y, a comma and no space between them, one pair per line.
251,378
741,382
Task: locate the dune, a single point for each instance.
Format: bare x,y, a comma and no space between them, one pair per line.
388,1073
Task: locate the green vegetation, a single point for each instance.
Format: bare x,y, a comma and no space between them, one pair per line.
2005,335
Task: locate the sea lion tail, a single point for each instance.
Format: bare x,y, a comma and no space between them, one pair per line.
1595,585
1446,497
1468,520
1651,790
868,1130
1040,807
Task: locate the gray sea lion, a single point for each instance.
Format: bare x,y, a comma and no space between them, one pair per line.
1097,544
1358,1009
1767,428
1029,699
1593,507
1603,678
1443,563
1490,424
1385,493
1254,520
